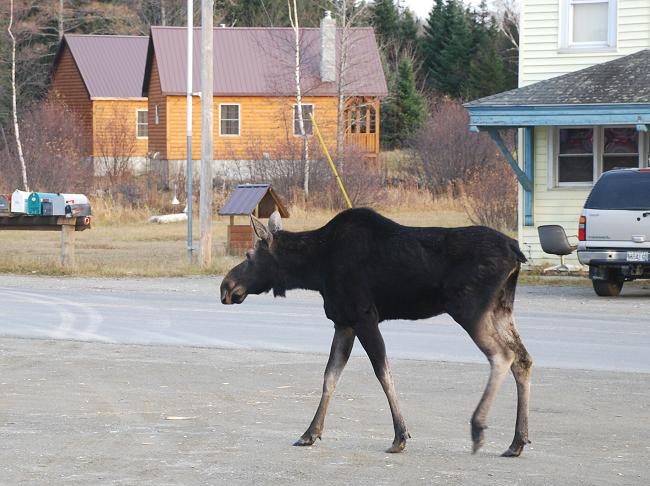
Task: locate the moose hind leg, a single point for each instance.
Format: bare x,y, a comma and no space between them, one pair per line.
521,369
339,355
373,342
500,358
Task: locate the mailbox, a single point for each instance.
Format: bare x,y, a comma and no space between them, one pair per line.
5,204
45,204
19,202
76,205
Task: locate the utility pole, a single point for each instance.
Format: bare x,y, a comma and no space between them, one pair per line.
189,171
207,133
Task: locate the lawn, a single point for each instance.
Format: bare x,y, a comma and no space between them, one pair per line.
121,243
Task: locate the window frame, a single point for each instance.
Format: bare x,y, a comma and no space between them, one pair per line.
138,124
294,119
597,156
238,134
565,38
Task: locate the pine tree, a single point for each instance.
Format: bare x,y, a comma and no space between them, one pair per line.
386,21
404,111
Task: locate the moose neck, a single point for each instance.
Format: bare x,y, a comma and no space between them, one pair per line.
299,260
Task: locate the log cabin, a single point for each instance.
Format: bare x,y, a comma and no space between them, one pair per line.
255,116
99,78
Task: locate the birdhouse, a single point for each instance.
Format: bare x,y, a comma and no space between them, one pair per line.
257,199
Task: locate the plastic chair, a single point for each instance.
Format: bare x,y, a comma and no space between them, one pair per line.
554,240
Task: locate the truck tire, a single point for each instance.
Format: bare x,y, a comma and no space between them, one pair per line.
607,288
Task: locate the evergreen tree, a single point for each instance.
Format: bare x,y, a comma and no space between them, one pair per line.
404,111
386,21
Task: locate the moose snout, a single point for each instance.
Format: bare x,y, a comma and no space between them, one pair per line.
231,294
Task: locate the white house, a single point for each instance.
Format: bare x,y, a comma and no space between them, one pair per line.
582,106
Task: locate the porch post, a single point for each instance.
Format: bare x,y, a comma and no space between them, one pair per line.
529,168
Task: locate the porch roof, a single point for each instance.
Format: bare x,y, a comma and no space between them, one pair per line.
615,92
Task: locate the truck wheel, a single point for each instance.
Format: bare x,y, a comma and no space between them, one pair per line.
607,288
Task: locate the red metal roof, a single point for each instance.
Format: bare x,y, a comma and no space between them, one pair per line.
259,62
112,66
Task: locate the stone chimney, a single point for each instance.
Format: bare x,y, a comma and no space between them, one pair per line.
328,48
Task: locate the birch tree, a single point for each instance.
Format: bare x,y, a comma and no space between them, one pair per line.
293,19
19,145
348,14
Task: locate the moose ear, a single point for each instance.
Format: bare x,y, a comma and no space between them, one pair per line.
275,222
261,231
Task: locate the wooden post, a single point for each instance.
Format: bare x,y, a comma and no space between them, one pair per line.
207,133
68,235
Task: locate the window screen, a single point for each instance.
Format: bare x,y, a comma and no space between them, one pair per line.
590,21
621,148
229,121
306,110
142,122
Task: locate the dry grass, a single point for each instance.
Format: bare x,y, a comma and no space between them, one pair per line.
121,244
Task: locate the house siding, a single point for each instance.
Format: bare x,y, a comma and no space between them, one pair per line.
266,127
68,87
551,205
540,57
114,128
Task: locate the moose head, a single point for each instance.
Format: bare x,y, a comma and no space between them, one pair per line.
257,273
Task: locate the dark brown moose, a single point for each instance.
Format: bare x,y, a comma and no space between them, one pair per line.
369,269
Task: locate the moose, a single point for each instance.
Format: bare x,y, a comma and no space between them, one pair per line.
369,269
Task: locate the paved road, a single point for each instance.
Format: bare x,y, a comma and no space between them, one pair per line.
562,326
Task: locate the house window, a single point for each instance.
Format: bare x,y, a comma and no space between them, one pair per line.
621,148
585,153
157,115
229,120
142,123
587,23
576,155
306,110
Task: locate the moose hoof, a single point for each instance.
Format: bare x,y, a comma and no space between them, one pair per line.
478,437
306,440
399,444
515,449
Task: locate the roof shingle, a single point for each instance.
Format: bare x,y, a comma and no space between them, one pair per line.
625,80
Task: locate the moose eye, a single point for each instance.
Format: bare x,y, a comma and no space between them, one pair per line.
249,255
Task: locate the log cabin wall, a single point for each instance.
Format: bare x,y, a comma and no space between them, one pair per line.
158,128
266,127
114,128
68,86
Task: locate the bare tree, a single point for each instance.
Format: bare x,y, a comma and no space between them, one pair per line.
348,18
293,19
19,145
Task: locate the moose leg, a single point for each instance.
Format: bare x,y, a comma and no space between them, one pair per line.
373,342
339,355
521,370
500,358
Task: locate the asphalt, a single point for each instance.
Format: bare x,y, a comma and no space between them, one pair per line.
139,381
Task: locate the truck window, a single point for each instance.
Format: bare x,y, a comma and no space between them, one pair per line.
621,190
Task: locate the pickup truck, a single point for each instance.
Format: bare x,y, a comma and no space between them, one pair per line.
614,230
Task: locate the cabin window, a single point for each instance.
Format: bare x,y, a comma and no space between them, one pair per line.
585,153
306,110
587,24
142,123
229,120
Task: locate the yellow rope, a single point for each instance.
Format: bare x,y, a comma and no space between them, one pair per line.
329,159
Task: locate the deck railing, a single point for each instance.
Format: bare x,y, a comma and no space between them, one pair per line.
366,142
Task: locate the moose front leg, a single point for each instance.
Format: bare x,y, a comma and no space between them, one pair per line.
373,342
339,355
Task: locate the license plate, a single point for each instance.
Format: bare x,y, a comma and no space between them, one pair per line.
637,256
